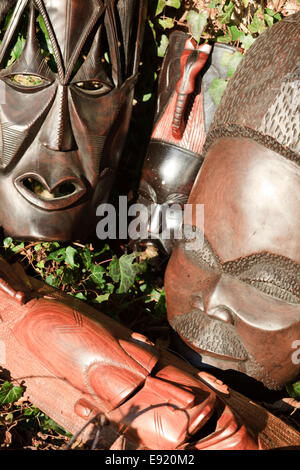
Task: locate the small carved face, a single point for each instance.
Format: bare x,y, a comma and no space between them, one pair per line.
65,118
236,301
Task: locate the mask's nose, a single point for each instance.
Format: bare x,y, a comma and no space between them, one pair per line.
57,134
214,303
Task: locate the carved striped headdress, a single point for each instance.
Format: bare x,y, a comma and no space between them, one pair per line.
261,101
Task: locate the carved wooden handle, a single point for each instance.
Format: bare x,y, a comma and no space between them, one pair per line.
192,62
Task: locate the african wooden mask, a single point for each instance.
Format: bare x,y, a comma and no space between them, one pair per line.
236,301
64,117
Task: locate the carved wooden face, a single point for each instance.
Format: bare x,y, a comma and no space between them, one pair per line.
236,301
63,127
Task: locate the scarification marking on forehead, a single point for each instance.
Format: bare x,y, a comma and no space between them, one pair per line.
65,67
72,25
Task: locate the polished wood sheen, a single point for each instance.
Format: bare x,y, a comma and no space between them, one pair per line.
235,298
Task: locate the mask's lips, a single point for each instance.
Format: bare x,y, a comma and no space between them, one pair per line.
36,191
209,336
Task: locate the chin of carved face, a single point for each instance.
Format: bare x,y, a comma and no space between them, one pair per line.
65,119
236,298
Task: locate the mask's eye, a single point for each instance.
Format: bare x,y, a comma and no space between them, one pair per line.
94,87
27,81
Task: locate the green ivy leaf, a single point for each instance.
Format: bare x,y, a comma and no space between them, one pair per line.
52,280
174,3
7,242
228,10
128,271
294,390
48,423
160,6
234,62
46,34
18,248
216,89
166,23
257,25
114,269
268,19
147,97
70,257
224,39
160,308
32,411
10,393
86,258
247,41
17,50
269,11
214,4
236,34
163,45
102,298
58,255
80,296
97,274
196,22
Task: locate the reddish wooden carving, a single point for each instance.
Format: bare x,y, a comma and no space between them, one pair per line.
76,362
236,299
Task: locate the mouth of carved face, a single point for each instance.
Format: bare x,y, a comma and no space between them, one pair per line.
36,191
209,336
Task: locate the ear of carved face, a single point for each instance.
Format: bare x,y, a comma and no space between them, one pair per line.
65,116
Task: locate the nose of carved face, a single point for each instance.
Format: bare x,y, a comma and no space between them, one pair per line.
214,308
36,190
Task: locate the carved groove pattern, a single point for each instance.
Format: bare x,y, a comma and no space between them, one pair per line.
12,141
194,134
282,118
82,41
272,60
52,37
72,328
97,143
275,275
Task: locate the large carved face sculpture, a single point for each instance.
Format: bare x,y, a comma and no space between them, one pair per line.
236,300
64,120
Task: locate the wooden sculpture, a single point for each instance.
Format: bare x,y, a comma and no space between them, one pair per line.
62,131
184,112
76,363
236,300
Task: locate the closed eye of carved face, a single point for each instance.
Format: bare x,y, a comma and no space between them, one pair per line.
94,87
274,275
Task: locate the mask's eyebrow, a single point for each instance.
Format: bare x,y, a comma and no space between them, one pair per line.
206,253
255,264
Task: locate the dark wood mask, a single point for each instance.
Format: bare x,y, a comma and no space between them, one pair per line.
236,300
64,130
